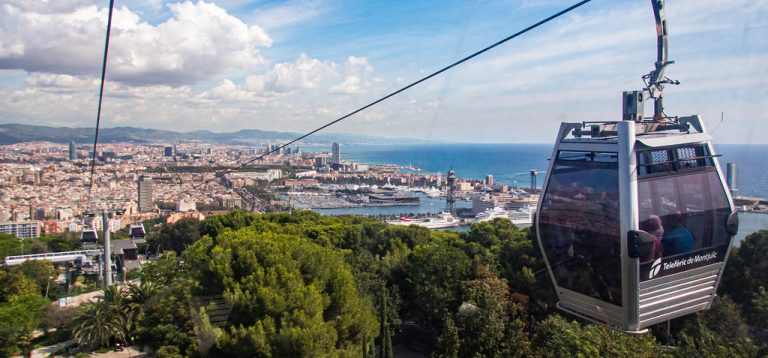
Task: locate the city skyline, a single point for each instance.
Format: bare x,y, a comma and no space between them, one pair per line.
289,66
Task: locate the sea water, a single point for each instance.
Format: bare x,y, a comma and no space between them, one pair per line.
512,163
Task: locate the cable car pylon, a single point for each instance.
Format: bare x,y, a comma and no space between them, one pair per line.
635,219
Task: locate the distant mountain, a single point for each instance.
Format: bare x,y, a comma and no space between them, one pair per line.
17,133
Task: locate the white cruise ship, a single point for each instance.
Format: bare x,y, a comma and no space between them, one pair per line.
432,222
433,192
490,214
522,218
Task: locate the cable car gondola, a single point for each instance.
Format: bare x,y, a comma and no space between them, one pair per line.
89,238
635,221
137,233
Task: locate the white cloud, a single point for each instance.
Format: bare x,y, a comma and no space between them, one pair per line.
66,82
47,7
229,93
351,85
288,77
195,65
288,14
356,78
199,41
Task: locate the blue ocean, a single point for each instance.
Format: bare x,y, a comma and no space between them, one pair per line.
512,163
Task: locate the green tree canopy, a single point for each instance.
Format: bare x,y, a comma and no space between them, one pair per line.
718,332
162,271
557,337
14,283
433,274
745,273
18,319
303,284
166,315
38,271
9,245
291,297
180,235
68,241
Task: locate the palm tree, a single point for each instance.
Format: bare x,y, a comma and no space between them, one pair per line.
113,296
113,314
96,323
142,294
139,298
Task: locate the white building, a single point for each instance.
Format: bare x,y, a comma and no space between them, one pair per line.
21,229
186,205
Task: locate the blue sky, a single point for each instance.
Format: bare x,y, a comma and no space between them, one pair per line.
295,65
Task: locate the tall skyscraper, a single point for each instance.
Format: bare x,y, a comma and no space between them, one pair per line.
72,151
145,193
168,151
489,180
336,153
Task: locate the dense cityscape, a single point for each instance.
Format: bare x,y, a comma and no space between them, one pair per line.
47,184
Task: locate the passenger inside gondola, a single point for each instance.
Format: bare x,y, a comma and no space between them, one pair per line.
677,239
653,226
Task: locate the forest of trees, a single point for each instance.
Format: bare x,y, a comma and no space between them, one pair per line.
301,284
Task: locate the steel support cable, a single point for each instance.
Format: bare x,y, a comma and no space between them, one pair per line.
423,79
101,96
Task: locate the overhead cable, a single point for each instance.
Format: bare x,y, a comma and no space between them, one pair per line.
101,96
423,79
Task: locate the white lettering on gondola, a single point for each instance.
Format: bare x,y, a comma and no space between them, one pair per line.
690,260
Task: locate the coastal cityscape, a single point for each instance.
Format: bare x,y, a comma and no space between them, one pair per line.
47,192
380,180
47,186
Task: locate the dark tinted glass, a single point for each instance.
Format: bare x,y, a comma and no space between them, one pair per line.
579,224
88,236
693,209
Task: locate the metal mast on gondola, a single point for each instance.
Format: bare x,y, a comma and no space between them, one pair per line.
635,221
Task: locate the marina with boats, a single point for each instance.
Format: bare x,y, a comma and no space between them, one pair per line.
462,203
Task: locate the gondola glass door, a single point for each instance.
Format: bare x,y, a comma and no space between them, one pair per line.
579,225
684,203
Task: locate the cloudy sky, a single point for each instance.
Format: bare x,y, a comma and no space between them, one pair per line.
294,65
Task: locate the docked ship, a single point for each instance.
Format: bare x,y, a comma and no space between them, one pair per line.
392,199
433,193
443,220
521,218
490,214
